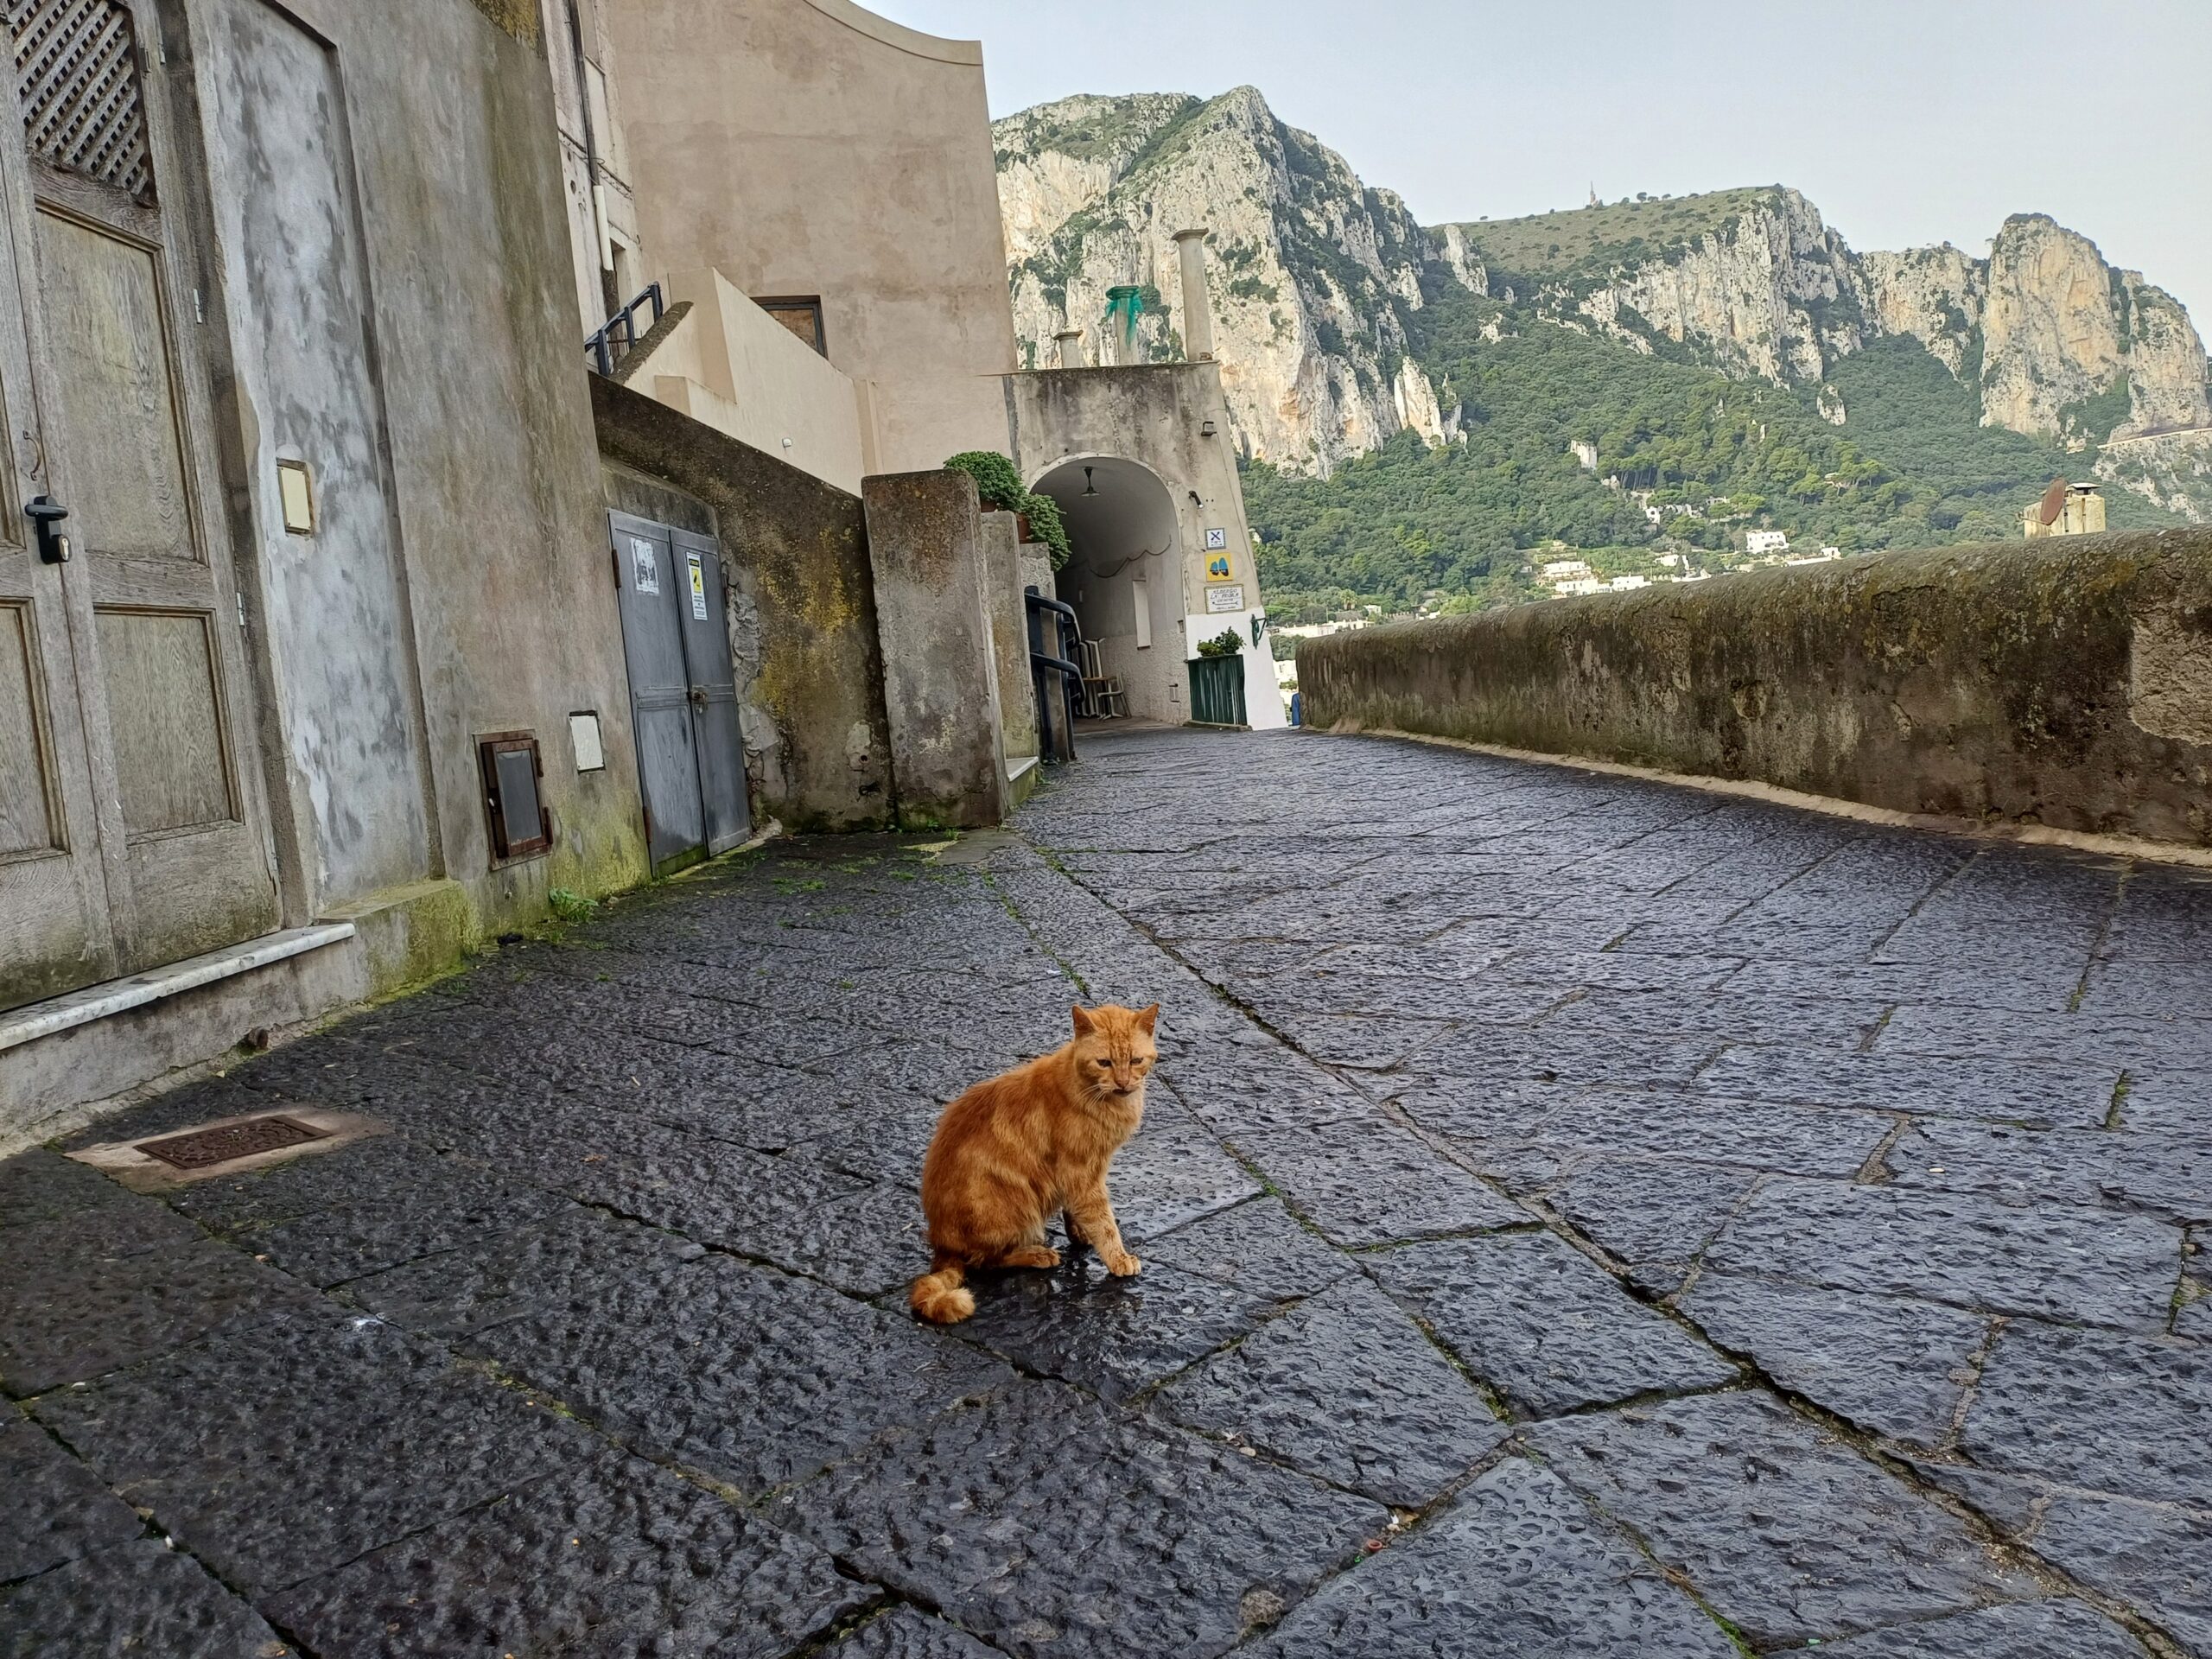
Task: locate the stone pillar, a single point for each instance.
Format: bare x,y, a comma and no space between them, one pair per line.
1070,341
1197,308
940,670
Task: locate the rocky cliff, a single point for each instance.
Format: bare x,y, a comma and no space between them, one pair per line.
1314,274
1318,279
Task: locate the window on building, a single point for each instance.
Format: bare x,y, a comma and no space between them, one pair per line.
802,315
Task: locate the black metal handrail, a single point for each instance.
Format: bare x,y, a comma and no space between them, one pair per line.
623,323
1061,660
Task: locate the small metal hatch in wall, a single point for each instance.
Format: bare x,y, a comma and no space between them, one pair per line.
520,825
199,1149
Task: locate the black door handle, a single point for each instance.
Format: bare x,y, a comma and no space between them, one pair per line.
45,513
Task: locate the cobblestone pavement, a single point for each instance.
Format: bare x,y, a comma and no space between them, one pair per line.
1582,1218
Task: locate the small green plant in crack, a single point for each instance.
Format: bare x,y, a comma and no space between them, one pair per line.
569,905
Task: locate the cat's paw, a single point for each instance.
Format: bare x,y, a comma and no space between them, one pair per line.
1127,1268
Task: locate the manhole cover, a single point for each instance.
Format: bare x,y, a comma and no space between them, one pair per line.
198,1149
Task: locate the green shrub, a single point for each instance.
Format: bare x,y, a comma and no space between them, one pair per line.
997,481
569,905
999,486
1045,526
1227,643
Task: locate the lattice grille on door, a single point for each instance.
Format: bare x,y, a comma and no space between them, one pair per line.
76,77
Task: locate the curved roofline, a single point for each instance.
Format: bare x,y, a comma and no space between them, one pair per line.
898,35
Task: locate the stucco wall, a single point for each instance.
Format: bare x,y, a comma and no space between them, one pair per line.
807,147
495,474
728,363
803,630
2066,683
489,512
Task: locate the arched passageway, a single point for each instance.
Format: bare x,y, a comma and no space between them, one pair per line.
1125,579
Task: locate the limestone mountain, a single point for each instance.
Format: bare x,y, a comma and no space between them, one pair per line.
1343,326
1316,275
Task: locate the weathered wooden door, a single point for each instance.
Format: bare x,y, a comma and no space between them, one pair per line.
129,830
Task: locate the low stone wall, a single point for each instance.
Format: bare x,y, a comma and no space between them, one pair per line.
2066,683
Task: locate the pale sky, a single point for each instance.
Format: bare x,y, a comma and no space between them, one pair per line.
1905,121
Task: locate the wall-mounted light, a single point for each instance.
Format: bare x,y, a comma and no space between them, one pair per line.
1205,428
1088,488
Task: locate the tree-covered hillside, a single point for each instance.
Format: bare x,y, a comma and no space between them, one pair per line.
1472,520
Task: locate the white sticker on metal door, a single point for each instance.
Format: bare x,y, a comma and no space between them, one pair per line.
698,587
645,570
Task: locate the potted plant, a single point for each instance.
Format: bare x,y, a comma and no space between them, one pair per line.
1037,517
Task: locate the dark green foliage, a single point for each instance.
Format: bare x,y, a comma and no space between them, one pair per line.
999,486
1045,526
2094,418
997,481
1227,643
1912,467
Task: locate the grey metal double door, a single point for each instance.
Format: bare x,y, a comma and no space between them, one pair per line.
683,691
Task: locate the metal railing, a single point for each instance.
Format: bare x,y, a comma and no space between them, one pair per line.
622,325
1055,740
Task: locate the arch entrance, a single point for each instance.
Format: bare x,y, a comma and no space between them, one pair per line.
1125,579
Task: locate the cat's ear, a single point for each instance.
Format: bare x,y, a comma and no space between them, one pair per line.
1084,1025
1146,1017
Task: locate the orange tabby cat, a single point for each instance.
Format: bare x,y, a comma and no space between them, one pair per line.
1037,1140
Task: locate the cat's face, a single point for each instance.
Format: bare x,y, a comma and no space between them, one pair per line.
1114,1049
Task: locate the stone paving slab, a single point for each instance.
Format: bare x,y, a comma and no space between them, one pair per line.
610,1556
2096,1408
2047,1096
2058,1261
1256,1245
78,1298
1116,1337
756,1376
2041,1630
2168,1176
1368,1182
902,1633
1790,1535
1052,1527
1890,1365
1543,1324
56,1510
122,1601
1517,1569
221,1439
1342,1387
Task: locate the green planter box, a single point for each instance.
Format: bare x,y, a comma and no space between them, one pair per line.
1217,690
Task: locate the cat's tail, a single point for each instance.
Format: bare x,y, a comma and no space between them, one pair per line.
939,1296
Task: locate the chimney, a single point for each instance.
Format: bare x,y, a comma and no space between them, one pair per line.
1198,309
1070,341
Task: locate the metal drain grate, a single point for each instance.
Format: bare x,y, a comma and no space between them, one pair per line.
199,1148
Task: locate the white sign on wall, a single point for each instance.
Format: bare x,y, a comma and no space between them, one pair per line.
1216,538
1221,600
645,570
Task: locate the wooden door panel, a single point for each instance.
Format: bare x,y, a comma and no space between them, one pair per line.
165,709
113,410
27,785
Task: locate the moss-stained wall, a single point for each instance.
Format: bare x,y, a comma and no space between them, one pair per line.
2066,682
803,629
